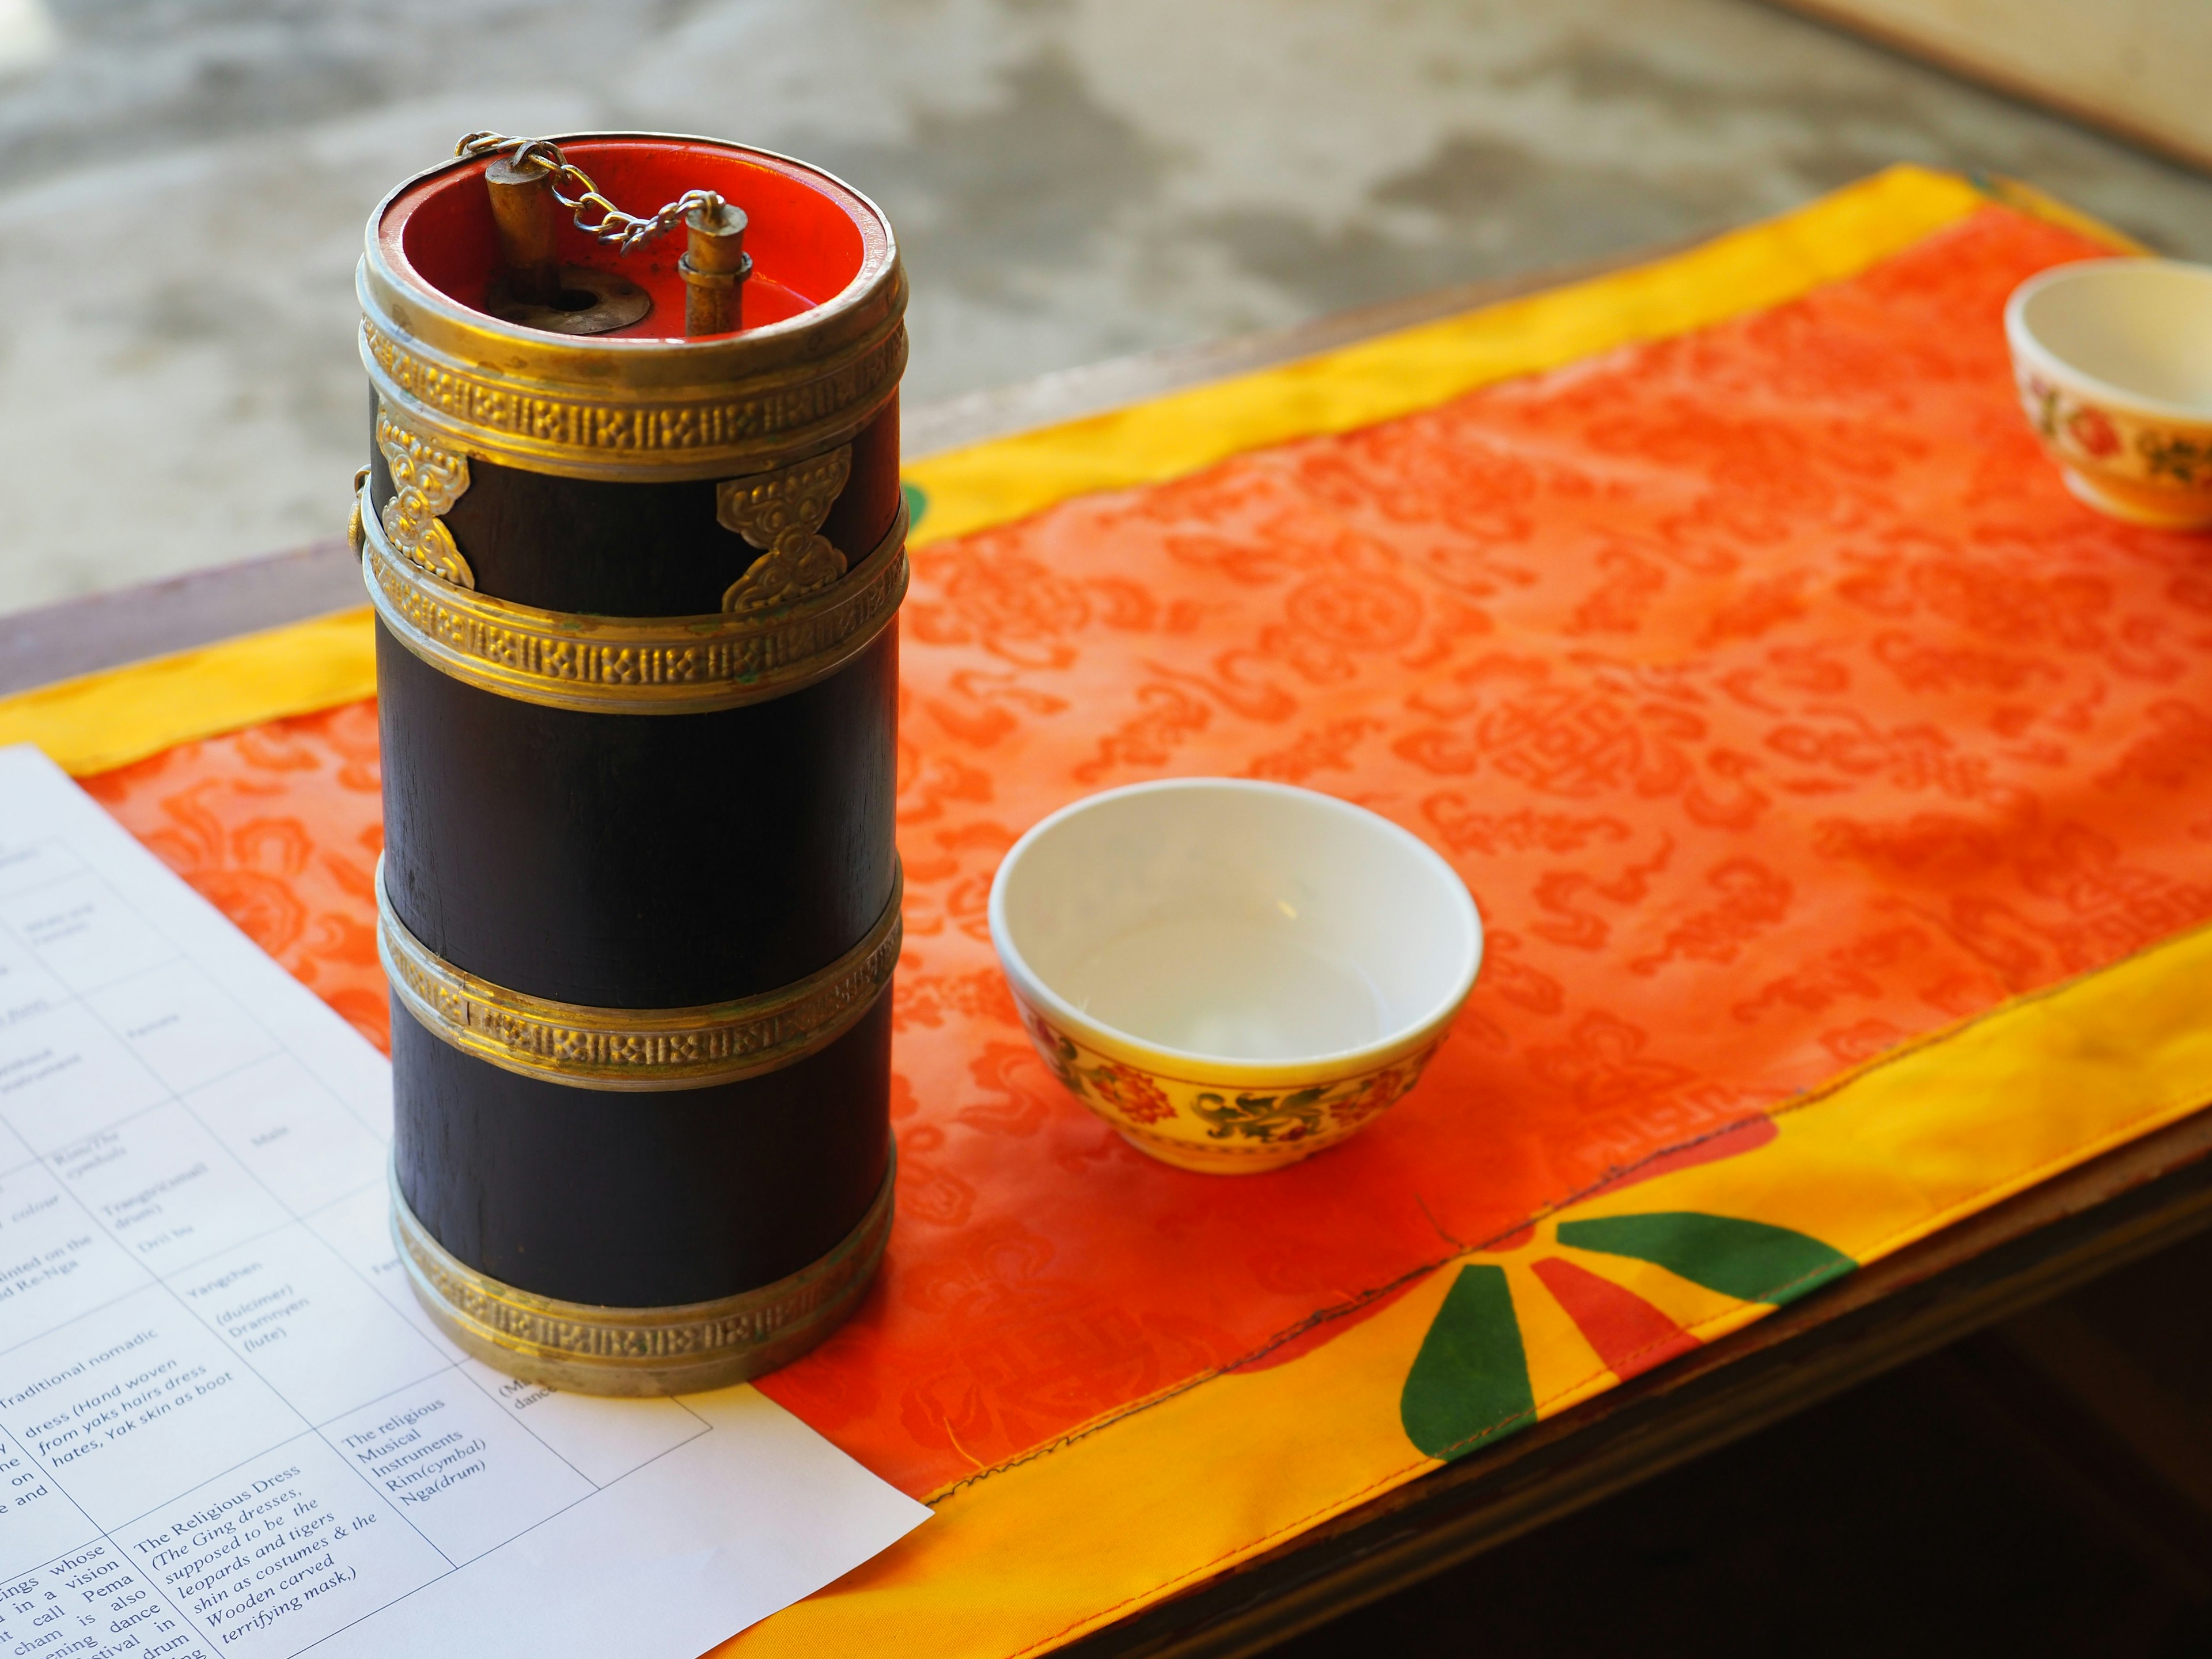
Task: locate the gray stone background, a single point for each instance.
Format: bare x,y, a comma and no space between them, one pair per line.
183,185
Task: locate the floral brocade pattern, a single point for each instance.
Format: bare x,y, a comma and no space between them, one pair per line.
279,828
1773,697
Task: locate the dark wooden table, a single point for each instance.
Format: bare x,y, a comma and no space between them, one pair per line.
1986,1270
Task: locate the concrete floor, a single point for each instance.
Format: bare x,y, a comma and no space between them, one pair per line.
186,182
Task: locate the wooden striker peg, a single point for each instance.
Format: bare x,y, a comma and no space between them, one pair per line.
523,207
714,267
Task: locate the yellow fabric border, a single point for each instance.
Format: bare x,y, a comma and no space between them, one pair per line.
1742,271
2042,204
110,719
1890,1154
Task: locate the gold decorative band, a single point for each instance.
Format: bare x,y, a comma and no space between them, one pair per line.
641,1350
633,410
632,665
597,427
637,1050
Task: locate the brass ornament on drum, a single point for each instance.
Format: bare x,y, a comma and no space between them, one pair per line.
633,530
670,666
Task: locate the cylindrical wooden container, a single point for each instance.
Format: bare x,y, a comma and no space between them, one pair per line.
637,665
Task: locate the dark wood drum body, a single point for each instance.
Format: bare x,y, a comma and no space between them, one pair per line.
638,668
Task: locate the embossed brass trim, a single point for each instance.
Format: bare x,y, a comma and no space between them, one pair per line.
546,427
642,1351
634,666
356,537
637,1050
425,480
627,410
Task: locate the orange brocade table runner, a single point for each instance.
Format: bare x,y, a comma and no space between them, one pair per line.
1813,757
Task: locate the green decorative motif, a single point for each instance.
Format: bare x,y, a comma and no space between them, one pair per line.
1749,1261
917,503
1470,1380
2043,410
2176,458
1266,1117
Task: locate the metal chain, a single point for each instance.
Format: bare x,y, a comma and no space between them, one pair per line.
621,231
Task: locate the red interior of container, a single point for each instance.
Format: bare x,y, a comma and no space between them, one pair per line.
805,234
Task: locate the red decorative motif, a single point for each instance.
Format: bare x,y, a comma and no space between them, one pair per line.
1131,1093
2093,431
1377,1092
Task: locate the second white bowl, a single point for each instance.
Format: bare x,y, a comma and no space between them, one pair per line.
2113,358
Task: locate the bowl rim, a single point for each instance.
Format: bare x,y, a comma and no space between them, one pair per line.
2028,348
1340,1062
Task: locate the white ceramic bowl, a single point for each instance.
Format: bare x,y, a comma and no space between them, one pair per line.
1234,975
2113,358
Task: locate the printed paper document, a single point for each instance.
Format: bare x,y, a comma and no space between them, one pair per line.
225,1426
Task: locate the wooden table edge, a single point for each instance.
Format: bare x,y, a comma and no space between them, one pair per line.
62,640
